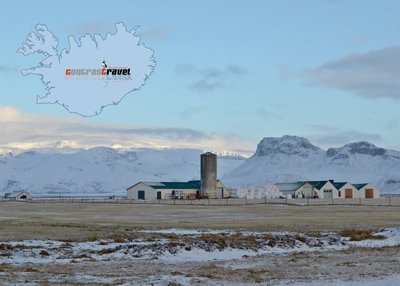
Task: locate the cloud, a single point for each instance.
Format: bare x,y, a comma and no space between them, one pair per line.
211,78
24,131
8,113
371,75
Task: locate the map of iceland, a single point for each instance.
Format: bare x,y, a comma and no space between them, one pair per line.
94,72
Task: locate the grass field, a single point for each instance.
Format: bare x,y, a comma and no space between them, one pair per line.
113,224
79,221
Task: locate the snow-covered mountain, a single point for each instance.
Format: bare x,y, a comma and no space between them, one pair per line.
291,158
101,170
104,171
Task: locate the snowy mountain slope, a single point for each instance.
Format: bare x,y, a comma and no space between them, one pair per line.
101,170
291,158
104,171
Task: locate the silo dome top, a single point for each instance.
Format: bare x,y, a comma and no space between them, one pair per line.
209,154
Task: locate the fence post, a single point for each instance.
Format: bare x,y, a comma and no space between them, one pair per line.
359,201
332,200
286,199
390,201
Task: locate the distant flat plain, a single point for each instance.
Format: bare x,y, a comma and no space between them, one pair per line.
79,221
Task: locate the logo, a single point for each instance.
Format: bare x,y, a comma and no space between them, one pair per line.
105,73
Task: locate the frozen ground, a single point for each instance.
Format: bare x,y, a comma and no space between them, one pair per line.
101,244
206,257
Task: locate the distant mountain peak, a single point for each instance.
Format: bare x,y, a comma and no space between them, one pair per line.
290,145
362,147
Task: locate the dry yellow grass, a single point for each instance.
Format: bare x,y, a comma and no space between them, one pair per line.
80,221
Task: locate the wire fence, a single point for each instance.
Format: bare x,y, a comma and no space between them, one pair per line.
383,201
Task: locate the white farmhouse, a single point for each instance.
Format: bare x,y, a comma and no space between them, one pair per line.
346,190
328,189
367,191
317,189
171,190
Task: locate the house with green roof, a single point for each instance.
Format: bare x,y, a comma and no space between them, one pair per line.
171,190
328,189
316,189
346,190
367,191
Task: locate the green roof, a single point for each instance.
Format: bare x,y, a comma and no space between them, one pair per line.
359,186
338,185
177,185
316,184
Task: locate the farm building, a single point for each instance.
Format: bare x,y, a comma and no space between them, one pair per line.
328,189
367,191
317,189
207,187
346,190
172,190
288,189
18,196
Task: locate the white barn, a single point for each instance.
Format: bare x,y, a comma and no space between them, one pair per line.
18,196
171,190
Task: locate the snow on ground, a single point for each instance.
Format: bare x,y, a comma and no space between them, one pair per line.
392,238
387,281
185,245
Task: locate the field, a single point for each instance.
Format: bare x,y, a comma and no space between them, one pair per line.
117,229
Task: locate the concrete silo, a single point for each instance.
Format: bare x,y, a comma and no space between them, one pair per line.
208,175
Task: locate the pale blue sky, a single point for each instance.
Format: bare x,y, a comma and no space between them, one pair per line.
241,69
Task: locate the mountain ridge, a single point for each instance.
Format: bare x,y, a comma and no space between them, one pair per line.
292,158
105,170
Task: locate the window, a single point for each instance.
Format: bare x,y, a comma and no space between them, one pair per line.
140,195
158,195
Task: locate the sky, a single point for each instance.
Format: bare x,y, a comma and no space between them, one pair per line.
228,74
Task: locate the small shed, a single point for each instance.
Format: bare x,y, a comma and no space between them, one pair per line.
18,196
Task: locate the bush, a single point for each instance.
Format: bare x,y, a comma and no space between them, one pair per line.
360,234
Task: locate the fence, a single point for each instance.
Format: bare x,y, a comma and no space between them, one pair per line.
383,201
